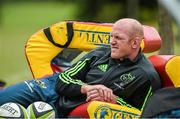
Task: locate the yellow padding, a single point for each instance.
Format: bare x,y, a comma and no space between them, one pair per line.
173,70
40,52
142,44
86,36
97,110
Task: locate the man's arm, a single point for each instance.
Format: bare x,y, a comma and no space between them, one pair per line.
71,80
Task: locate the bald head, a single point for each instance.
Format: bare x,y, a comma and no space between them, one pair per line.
130,26
126,37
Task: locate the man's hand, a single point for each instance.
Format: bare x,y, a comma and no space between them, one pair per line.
98,92
94,95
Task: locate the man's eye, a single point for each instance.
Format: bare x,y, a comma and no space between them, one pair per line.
118,38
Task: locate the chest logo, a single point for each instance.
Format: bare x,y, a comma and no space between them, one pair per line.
127,77
103,67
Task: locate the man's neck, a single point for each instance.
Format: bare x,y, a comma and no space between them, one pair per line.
134,55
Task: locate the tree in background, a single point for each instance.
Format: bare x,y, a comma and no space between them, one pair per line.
166,32
88,9
132,8
112,10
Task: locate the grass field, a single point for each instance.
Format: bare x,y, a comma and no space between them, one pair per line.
19,21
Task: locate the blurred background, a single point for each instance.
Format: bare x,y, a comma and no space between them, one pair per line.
19,19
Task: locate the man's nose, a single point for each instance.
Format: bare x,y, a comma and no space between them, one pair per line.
112,41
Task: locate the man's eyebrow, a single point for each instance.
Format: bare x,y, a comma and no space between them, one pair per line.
114,33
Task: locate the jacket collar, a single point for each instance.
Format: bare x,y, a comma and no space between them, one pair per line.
127,61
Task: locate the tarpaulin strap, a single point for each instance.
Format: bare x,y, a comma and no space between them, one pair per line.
70,34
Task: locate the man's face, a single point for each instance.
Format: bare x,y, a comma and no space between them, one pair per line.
120,43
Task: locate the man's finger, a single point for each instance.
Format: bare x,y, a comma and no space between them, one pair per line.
101,92
92,96
109,94
92,92
97,99
105,94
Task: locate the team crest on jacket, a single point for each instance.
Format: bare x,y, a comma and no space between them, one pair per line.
127,77
103,67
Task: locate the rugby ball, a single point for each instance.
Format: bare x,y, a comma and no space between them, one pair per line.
13,110
41,110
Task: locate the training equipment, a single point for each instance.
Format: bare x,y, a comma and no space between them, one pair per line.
13,110
40,110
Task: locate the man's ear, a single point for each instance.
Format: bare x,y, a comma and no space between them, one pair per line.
135,43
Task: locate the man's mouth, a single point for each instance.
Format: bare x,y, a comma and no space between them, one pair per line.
114,48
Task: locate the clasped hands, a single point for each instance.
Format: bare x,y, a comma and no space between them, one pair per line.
98,92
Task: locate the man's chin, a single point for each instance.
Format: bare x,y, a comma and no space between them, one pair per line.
114,56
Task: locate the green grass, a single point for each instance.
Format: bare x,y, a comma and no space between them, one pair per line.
19,21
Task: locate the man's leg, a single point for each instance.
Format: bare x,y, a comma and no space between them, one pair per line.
20,93
31,91
45,88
